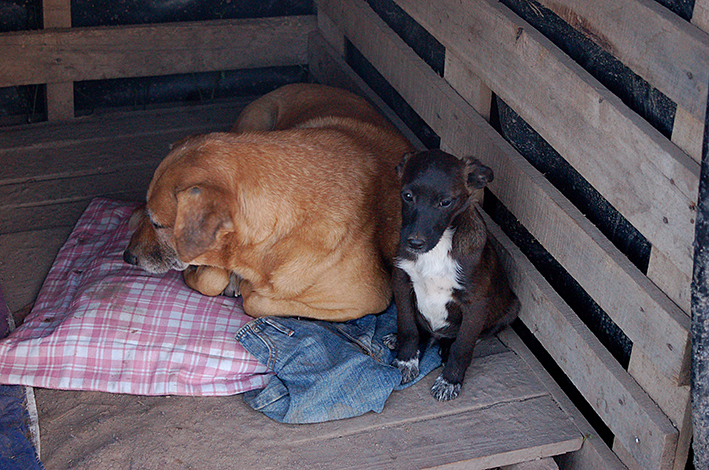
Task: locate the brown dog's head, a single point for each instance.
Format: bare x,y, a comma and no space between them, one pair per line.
187,213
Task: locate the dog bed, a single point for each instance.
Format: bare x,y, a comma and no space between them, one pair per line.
102,325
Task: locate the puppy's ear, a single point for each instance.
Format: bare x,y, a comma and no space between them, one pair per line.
202,217
477,175
402,164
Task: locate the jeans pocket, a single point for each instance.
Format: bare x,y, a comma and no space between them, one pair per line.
261,338
275,324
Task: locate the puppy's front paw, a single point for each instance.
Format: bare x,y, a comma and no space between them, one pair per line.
390,341
409,369
442,390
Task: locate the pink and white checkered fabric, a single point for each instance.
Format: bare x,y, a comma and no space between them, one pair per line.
100,324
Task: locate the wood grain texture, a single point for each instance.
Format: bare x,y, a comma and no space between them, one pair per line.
634,418
56,13
25,259
60,96
504,417
137,51
687,133
675,283
594,453
644,313
655,43
650,181
220,115
468,85
700,17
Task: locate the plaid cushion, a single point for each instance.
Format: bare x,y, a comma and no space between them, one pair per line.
100,324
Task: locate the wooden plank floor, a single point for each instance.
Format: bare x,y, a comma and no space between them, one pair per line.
505,414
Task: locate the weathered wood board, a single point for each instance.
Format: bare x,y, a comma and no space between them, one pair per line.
503,416
574,113
585,253
55,56
50,173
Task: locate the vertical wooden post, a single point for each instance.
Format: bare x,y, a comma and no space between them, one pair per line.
60,96
700,313
700,16
468,85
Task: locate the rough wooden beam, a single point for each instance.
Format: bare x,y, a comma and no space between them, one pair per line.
76,54
650,181
60,96
655,43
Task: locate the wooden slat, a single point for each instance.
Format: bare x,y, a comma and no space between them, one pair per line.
57,213
85,157
623,405
513,420
122,179
670,279
687,133
219,116
24,262
331,33
56,13
644,313
60,96
674,401
700,17
541,464
468,85
135,51
594,454
60,101
641,173
661,47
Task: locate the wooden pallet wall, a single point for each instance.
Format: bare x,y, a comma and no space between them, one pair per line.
650,179
60,55
42,187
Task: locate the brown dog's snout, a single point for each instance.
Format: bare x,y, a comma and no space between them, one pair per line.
130,258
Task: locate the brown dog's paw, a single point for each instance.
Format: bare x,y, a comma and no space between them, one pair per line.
206,280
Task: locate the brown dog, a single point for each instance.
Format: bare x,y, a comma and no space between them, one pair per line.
300,202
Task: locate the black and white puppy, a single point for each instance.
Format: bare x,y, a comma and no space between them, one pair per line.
448,283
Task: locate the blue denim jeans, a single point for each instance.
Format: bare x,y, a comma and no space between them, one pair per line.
325,370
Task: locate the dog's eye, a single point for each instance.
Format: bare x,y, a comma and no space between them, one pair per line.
446,202
407,196
157,225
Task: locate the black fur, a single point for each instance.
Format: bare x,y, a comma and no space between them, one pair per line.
438,192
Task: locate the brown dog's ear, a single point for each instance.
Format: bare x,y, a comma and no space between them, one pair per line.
136,217
202,215
402,163
477,175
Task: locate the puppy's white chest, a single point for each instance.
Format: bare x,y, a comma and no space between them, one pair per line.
434,275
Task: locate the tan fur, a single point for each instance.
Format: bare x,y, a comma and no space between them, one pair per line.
301,202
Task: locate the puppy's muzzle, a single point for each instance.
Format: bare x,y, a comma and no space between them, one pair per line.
415,244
